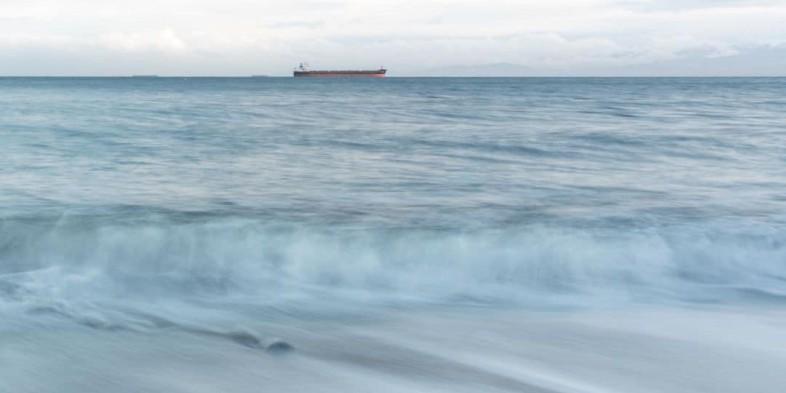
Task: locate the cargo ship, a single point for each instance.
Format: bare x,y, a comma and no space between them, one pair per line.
303,71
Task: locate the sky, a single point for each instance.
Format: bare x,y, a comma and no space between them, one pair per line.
409,37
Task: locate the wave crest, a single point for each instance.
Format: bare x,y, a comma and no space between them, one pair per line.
86,259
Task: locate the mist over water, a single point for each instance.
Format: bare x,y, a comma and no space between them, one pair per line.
245,212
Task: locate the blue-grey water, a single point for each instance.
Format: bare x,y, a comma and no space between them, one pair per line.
193,223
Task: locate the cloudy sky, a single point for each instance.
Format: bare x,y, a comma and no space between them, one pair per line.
410,37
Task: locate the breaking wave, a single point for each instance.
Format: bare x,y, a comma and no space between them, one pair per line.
89,259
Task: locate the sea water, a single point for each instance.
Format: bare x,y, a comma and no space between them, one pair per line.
403,234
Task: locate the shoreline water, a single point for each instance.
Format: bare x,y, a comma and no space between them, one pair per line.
719,349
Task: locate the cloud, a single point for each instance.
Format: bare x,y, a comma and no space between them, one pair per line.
227,37
165,41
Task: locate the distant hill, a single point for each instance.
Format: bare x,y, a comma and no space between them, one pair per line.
770,60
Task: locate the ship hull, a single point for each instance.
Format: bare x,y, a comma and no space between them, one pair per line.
340,74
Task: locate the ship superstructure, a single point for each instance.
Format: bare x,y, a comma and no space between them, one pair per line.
303,71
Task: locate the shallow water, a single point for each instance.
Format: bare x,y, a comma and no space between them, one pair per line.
204,215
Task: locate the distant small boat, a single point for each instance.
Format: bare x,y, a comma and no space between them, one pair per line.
303,71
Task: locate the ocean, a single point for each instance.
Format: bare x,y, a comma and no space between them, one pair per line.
394,235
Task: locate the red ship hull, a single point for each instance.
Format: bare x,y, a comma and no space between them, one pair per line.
341,74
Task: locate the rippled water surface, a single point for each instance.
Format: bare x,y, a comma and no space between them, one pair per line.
200,208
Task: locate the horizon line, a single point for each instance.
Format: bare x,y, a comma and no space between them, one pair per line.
262,76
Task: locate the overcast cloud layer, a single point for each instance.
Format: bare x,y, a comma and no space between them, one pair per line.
410,37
